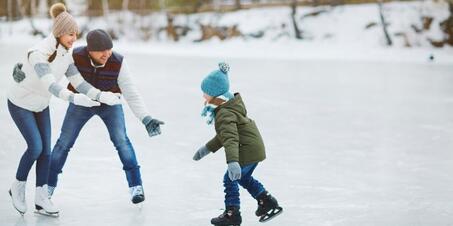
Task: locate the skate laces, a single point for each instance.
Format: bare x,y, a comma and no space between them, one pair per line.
44,196
136,190
50,190
226,213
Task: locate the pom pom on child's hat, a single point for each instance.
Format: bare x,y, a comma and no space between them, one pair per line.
217,83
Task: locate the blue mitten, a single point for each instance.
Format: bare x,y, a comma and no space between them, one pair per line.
152,125
202,152
18,74
234,171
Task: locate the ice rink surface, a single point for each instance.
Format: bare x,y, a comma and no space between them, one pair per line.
348,143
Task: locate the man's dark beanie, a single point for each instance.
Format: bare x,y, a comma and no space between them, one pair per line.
98,40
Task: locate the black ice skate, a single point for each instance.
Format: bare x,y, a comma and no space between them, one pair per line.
43,204
137,194
42,211
230,217
268,207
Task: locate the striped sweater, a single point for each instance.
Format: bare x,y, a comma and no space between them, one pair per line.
42,77
42,80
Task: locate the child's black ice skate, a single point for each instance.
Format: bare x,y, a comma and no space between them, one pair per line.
268,207
230,217
137,194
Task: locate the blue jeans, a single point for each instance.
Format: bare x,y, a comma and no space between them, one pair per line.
113,118
253,186
35,128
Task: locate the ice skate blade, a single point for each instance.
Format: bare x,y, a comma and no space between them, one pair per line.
47,214
228,225
41,211
271,214
139,206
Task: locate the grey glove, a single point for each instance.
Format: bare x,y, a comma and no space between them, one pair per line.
152,125
234,171
202,152
18,74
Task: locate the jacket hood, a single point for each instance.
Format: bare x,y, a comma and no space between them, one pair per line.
236,104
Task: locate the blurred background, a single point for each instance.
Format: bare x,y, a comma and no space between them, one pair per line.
422,23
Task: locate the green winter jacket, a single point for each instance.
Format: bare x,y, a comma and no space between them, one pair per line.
237,133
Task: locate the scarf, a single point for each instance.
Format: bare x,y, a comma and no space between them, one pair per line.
209,107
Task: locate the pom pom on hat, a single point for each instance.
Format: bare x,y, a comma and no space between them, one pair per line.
56,9
224,67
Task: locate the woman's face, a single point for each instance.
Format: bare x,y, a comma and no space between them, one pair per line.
67,40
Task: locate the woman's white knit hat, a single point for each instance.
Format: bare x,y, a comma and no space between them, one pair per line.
63,23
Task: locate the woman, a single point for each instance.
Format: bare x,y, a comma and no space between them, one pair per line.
28,104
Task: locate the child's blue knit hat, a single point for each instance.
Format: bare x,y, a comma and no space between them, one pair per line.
216,83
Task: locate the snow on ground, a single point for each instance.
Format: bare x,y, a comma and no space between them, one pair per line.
349,142
342,25
339,34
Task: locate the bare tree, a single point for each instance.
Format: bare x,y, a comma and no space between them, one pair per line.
105,8
32,8
22,11
10,9
237,4
384,24
297,31
42,8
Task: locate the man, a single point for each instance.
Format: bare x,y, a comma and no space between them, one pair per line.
105,70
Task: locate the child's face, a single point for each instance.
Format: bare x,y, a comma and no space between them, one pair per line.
207,97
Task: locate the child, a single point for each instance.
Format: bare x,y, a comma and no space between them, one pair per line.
243,144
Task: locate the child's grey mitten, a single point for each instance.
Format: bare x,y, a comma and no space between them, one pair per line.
202,152
234,171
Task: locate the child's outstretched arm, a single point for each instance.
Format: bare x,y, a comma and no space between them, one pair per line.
212,146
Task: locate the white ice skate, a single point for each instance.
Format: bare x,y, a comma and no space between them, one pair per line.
17,193
43,204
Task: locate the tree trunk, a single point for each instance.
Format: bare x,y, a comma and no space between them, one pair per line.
32,8
297,31
384,24
162,6
237,4
447,25
105,8
42,8
22,11
10,10
125,5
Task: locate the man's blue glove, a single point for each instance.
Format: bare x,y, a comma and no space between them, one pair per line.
18,74
202,152
234,171
152,125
